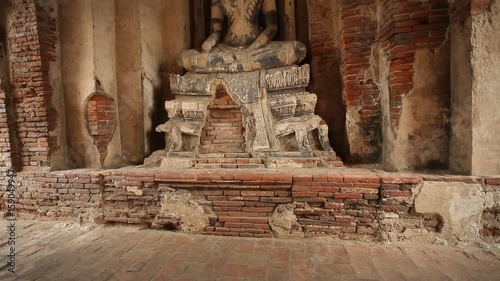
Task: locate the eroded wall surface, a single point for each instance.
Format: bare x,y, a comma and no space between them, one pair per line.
110,48
78,68
5,149
325,69
413,75
485,61
381,70
357,34
129,79
372,205
461,98
421,141
475,123
151,17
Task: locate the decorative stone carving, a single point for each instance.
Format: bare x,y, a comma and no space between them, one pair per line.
258,84
277,116
294,77
187,85
186,118
283,107
294,114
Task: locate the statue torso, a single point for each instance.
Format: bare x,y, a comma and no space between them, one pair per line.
243,20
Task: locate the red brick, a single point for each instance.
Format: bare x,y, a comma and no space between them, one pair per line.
229,203
258,209
347,196
255,220
334,206
492,181
257,193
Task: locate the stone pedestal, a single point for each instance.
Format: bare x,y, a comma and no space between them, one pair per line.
253,119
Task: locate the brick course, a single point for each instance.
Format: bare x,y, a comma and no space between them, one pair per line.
339,203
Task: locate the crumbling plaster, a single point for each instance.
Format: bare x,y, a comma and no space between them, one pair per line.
130,96
113,46
105,67
422,140
58,154
485,60
458,205
77,53
475,122
181,207
461,99
449,200
150,14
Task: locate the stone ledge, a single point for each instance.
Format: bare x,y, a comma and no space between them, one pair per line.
350,203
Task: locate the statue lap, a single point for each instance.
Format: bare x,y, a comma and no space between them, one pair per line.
223,58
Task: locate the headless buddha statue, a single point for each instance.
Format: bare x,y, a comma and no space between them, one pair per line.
245,47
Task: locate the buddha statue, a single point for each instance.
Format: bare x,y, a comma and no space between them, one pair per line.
245,46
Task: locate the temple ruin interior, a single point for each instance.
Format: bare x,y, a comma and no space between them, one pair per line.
393,87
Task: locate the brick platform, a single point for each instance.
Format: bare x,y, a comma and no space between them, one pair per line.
344,202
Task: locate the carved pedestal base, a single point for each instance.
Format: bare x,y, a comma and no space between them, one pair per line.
245,120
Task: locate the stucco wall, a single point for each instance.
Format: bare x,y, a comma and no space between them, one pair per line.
176,33
475,64
128,51
114,47
485,61
461,99
151,56
78,74
421,141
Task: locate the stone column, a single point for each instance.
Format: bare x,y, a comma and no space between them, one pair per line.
475,64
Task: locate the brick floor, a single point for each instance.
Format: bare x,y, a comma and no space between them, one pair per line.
58,251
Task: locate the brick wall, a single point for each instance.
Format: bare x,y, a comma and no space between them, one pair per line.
101,121
324,60
223,130
346,204
322,37
5,143
490,218
405,26
361,94
32,36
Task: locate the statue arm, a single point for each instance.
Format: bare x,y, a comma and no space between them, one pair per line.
271,17
217,19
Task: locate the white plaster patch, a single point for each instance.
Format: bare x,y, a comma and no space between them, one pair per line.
136,190
459,204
